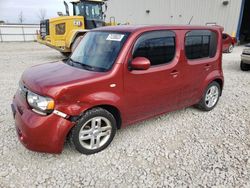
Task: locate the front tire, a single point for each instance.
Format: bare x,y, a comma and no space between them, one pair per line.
210,97
244,66
93,132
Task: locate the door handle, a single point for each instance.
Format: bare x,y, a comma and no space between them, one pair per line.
174,73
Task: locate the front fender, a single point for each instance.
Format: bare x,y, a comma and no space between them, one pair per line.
96,99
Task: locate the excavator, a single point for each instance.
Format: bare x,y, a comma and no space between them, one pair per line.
65,32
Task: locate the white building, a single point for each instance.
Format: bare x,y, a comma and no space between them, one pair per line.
231,14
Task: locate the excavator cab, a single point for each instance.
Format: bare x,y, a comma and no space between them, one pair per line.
92,11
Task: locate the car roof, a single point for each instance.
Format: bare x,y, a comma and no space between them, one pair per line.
143,28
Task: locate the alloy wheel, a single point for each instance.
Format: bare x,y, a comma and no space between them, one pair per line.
95,133
212,96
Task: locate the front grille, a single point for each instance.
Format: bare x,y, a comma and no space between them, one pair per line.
44,28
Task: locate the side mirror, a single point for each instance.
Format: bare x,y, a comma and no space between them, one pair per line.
140,63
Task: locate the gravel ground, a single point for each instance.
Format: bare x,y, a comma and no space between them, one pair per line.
186,148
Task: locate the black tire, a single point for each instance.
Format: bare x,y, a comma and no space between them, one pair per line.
202,105
66,54
230,48
74,134
244,66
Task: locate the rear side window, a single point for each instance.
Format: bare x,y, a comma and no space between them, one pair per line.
157,46
200,44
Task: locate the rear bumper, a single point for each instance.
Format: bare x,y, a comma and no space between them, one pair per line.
245,58
39,133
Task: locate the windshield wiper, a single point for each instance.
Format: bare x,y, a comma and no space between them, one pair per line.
85,66
73,61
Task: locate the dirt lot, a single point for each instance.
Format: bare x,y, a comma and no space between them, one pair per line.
184,148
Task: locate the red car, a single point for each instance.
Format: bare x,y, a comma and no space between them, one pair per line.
228,43
115,77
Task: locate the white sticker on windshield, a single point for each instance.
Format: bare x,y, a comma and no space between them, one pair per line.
115,37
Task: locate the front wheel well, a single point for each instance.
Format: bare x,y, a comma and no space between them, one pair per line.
115,112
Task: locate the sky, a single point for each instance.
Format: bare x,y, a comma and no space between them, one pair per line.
10,9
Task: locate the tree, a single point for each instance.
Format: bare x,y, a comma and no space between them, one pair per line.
21,17
42,14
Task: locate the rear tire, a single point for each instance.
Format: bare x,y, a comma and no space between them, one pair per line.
244,66
230,48
66,54
93,132
210,97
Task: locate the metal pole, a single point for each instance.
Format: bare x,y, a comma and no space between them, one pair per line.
1,36
23,34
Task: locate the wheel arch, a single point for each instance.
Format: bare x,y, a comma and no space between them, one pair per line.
220,82
114,111
110,108
214,76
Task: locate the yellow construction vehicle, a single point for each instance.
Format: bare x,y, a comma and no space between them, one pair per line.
64,32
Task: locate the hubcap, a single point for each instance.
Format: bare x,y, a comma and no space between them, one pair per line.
212,96
95,133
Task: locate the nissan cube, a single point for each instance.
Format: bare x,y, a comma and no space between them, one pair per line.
115,77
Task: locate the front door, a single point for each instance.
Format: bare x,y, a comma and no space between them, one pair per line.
153,91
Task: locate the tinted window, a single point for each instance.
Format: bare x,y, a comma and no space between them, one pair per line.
157,46
200,44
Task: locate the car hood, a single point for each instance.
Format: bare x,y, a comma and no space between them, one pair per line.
49,79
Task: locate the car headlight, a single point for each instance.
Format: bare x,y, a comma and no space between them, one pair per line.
41,104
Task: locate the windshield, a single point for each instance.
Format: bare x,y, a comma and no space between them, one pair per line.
91,11
98,50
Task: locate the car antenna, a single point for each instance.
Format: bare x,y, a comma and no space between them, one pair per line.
190,20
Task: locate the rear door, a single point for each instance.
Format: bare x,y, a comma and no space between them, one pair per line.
200,60
153,91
